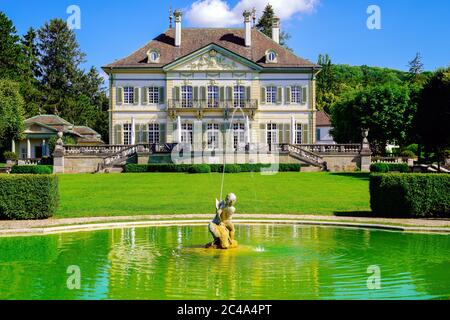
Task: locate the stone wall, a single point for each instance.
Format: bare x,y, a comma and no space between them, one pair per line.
81,163
342,163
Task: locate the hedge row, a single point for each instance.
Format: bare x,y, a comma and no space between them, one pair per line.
25,197
411,195
206,168
381,167
39,169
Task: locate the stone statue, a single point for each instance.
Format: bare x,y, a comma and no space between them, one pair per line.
221,228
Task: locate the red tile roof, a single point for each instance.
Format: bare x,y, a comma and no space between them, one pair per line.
322,119
193,39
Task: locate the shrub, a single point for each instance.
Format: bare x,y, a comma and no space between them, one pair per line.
199,168
399,167
412,195
407,154
229,168
232,168
26,197
287,167
379,167
9,155
39,169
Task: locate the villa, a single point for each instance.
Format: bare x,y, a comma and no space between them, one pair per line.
184,85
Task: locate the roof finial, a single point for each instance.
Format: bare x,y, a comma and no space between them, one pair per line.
254,16
170,17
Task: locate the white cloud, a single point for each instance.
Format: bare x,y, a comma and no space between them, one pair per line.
217,13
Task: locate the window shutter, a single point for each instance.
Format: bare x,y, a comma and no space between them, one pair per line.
195,95
230,93
248,93
304,94
136,96
118,134
222,93
287,133
119,98
262,134
203,93
176,93
162,97
305,134
263,95
162,133
287,97
145,95
280,133
137,133
144,133
279,95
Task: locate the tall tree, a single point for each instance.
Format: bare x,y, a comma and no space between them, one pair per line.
326,84
416,69
11,113
11,57
433,113
60,58
265,25
386,110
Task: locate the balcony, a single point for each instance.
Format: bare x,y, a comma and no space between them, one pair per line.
200,107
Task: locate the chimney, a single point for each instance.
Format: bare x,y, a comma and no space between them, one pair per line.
177,15
276,29
248,28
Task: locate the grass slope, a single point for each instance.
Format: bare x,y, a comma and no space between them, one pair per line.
166,193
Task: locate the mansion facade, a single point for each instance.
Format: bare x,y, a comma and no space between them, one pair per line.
191,85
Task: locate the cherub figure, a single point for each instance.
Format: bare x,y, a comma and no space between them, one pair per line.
222,228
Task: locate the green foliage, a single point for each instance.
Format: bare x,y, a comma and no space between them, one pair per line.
9,155
381,167
386,110
11,112
413,195
433,113
229,168
232,168
38,169
67,140
11,57
28,196
199,168
407,154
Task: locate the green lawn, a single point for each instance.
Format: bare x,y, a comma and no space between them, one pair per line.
2,165
175,193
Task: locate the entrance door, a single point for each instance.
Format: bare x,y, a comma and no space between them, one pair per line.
272,136
38,152
239,136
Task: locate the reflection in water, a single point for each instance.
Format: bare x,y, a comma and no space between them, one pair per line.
273,262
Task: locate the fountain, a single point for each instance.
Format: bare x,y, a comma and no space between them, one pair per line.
222,228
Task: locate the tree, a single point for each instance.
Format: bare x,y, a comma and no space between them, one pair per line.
265,25
326,84
11,58
59,60
386,110
433,113
416,69
11,113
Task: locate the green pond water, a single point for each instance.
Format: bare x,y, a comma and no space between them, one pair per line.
273,262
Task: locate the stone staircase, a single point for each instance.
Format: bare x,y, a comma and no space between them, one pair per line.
114,163
305,156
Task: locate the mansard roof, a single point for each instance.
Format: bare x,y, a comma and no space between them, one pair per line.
193,39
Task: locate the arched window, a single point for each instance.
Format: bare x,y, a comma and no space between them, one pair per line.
271,56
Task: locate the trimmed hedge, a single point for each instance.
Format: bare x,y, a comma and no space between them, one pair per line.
411,195
39,169
381,167
199,168
229,168
25,197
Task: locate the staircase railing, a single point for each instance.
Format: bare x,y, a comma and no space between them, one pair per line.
304,155
118,157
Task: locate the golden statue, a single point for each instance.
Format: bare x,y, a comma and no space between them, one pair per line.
221,228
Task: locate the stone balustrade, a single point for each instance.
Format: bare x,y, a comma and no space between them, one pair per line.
332,148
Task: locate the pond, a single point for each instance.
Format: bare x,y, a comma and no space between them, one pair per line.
272,262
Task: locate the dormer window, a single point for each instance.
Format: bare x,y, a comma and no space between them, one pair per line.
153,56
271,56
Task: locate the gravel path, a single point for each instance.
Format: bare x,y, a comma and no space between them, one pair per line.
431,223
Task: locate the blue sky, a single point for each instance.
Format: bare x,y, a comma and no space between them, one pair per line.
113,29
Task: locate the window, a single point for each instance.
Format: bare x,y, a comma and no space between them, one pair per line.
153,56
153,95
186,97
213,135
271,95
271,56
296,94
239,96
213,96
23,153
239,136
153,133
272,134
319,138
298,133
186,133
127,133
128,95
